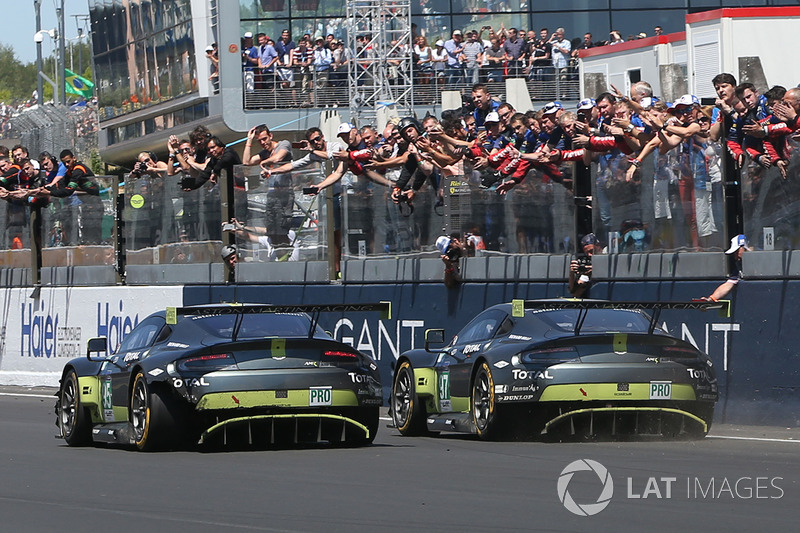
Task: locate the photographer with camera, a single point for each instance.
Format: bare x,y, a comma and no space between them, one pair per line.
148,165
580,268
452,250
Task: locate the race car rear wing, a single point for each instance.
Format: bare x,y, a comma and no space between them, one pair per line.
385,308
518,307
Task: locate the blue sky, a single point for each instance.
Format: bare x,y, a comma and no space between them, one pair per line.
20,25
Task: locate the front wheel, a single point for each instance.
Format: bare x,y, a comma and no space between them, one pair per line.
73,418
484,411
408,412
154,426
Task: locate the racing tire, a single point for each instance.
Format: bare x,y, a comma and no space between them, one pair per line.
408,412
74,419
155,427
485,415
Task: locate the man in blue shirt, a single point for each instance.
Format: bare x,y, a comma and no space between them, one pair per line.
454,48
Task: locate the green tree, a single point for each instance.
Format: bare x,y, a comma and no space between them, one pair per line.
19,80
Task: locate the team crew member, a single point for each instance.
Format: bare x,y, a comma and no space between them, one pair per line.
737,249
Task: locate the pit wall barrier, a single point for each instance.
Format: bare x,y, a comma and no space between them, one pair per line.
754,351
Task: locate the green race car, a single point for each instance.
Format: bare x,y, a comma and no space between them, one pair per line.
554,367
233,373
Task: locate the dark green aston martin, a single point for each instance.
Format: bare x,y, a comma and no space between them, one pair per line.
244,373
553,367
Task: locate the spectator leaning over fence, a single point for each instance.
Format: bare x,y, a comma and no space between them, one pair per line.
20,153
76,179
737,248
54,170
280,195
483,102
179,154
148,165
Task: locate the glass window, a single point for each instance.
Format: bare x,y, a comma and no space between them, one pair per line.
634,22
646,4
482,327
433,27
430,7
695,4
142,335
508,20
317,8
569,5
575,24
485,6
318,26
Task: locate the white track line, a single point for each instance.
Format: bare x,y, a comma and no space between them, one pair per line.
761,439
27,395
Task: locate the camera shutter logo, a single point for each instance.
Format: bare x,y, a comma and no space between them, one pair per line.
587,509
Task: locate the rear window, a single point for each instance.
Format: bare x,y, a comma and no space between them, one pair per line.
597,320
257,326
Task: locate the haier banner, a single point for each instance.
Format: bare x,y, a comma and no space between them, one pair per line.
37,335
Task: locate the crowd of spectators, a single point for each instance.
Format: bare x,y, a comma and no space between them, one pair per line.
467,56
30,184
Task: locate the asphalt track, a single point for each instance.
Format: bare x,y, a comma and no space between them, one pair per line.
451,483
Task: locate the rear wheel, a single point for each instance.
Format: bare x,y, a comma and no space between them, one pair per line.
154,426
407,410
73,418
484,411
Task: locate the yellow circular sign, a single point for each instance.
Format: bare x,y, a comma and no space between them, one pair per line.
137,201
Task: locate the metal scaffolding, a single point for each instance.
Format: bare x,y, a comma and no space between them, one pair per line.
380,74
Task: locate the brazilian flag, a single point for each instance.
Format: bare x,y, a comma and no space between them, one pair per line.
77,85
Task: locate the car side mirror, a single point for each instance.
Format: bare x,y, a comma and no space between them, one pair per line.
94,345
433,336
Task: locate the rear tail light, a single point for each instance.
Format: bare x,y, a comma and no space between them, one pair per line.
206,363
559,354
678,351
332,355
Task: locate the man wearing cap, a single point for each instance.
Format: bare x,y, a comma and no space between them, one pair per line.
249,52
580,268
454,47
323,59
451,250
737,249
213,56
229,255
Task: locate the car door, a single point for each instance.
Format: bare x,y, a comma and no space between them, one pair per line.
472,340
115,374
